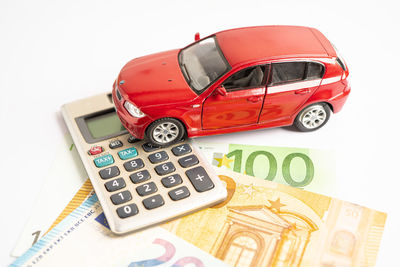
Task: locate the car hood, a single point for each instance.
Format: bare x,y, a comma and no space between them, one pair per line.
155,80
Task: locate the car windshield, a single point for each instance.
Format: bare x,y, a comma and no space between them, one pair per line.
202,63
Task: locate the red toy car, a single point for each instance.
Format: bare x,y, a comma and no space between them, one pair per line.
234,80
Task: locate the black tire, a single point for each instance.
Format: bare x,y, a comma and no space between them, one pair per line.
165,131
312,117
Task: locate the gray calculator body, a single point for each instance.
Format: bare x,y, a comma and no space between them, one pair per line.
137,184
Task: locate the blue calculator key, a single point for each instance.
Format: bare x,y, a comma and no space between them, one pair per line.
127,153
103,161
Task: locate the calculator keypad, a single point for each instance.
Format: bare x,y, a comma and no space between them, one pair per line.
147,195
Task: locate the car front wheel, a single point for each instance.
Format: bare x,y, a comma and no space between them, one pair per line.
312,117
166,131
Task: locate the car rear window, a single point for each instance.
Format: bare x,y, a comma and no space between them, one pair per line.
287,72
314,70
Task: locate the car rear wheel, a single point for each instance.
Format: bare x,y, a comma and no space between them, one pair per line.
312,117
166,131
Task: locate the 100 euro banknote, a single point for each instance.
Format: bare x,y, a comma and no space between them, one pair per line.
263,223
311,169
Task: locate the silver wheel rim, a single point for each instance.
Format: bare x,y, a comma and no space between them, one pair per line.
165,132
313,117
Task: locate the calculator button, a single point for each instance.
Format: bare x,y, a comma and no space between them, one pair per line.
165,168
109,172
146,189
133,165
127,211
181,150
153,202
115,185
158,157
103,161
121,197
199,179
94,150
115,144
132,139
188,161
127,153
140,176
179,193
149,147
171,180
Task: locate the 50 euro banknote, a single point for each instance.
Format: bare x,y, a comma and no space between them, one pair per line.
306,168
264,223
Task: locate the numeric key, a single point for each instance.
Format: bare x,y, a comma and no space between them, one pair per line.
141,176
171,180
165,168
115,185
127,211
133,165
109,172
121,197
158,157
146,189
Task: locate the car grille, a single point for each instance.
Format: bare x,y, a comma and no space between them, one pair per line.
118,95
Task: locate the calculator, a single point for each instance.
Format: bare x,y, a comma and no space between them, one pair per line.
138,184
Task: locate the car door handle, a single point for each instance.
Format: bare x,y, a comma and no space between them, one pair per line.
254,99
302,91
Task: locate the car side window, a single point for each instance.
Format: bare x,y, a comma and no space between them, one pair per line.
287,72
314,70
246,78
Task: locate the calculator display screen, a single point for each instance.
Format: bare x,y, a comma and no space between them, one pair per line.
103,125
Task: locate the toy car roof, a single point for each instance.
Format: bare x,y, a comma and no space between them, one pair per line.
268,42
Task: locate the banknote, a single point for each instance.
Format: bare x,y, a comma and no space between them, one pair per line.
83,238
311,169
63,180
263,223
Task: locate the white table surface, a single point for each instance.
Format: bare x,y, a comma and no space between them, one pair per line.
53,52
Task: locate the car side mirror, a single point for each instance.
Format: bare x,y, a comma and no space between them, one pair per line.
221,90
196,36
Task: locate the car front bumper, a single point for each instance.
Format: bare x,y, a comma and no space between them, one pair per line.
135,126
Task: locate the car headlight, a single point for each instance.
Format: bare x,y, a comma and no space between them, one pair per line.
133,110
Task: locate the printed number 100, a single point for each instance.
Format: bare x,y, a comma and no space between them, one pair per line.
273,166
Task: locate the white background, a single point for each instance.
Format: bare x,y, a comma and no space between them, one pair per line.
53,52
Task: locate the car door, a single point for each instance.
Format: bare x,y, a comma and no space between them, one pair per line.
289,87
242,103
